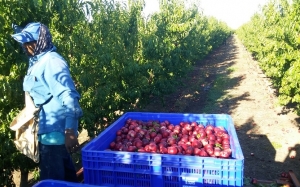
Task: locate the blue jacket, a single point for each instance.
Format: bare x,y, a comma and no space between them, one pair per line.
49,83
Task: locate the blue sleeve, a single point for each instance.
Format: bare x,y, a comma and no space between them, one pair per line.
61,85
73,112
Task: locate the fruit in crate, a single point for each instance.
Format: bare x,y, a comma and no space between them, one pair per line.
163,137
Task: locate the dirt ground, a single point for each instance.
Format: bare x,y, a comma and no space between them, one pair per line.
229,81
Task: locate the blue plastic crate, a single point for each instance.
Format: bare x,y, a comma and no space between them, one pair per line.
57,183
133,169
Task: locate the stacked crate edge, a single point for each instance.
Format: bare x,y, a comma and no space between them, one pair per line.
115,168
58,183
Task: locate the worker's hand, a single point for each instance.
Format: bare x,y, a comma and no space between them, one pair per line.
71,141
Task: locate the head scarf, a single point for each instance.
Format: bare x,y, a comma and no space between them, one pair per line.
44,42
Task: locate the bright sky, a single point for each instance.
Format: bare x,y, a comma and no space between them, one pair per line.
234,12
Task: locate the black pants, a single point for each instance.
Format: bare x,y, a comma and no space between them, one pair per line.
56,163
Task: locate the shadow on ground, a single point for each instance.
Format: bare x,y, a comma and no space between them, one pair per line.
260,154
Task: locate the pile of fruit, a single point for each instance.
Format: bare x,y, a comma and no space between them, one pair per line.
163,137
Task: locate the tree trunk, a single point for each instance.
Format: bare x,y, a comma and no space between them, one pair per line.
24,178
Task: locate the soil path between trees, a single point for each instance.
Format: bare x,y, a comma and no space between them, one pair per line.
229,81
